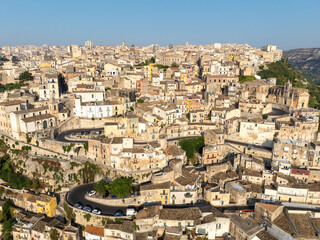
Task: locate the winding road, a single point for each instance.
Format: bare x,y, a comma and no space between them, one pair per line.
77,195
62,136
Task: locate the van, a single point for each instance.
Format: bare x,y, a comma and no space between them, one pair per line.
131,212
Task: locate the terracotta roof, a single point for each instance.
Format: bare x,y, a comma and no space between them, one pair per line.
148,212
269,207
283,223
302,224
192,213
98,231
151,186
125,226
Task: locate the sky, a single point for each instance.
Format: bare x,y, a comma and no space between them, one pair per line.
286,23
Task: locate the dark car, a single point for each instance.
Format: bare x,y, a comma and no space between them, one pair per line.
78,205
87,208
106,194
119,213
113,196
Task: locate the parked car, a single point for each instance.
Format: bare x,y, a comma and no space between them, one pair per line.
113,196
96,211
106,194
131,211
91,193
78,205
118,213
87,208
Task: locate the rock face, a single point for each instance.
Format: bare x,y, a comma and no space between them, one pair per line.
305,58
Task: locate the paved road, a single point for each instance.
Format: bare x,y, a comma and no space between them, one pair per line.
77,194
246,144
62,136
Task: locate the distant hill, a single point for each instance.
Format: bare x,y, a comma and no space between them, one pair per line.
307,61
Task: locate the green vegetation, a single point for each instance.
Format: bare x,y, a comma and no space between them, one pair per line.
174,64
188,116
283,71
70,215
88,172
192,145
120,187
68,147
160,66
35,183
25,76
74,164
87,216
6,220
54,235
86,146
265,116
100,187
8,174
11,86
28,138
140,100
243,79
147,62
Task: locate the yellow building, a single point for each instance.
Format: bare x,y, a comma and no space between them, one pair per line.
45,66
156,192
149,70
46,205
189,103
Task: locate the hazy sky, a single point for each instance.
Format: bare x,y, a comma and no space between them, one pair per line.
285,23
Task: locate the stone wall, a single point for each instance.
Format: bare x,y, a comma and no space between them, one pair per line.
123,202
82,217
79,123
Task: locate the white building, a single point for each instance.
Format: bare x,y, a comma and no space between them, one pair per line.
99,109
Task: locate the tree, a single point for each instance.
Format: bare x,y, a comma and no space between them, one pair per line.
152,60
140,100
265,116
120,187
88,172
35,183
174,64
100,187
192,145
7,220
25,76
188,116
243,78
54,235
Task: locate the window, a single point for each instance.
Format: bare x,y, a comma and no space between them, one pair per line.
218,226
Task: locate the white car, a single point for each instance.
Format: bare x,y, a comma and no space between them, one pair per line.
91,193
96,211
131,212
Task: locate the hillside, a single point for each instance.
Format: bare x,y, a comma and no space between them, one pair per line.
307,60
283,71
